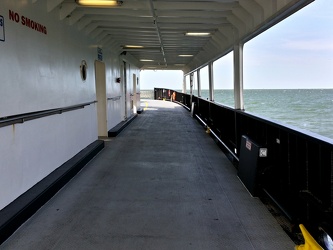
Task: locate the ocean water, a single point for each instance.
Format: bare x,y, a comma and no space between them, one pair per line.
308,109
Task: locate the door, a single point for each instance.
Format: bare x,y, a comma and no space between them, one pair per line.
100,83
134,95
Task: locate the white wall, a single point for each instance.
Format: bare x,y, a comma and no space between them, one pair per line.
32,150
39,72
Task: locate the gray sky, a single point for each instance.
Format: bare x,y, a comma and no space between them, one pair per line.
296,53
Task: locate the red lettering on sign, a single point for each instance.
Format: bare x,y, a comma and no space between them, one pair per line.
14,16
25,21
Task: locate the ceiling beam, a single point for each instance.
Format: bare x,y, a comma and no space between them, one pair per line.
66,9
52,4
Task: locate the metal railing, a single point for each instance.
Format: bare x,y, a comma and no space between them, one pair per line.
297,173
114,98
21,118
146,94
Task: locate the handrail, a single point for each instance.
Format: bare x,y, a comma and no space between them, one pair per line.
115,98
216,137
21,118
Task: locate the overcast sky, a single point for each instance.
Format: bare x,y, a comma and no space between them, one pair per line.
296,53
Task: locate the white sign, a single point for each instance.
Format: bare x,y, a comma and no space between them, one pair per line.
263,152
2,28
100,54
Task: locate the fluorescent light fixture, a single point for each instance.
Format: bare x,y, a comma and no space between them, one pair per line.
146,60
133,46
99,3
140,48
185,55
197,34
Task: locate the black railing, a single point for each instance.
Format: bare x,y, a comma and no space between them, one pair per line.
21,118
298,171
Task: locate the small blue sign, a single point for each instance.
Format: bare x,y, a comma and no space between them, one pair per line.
100,54
2,29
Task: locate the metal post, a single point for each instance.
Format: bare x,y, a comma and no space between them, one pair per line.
199,84
211,81
184,84
191,85
191,91
238,76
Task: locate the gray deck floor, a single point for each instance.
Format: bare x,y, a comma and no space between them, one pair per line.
161,184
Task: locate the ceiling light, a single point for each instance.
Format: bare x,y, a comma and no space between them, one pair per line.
133,46
140,48
99,3
197,34
185,55
146,60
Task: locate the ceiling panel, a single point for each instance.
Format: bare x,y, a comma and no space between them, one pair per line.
160,26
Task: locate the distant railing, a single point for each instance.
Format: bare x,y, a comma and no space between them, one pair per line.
297,173
21,118
147,94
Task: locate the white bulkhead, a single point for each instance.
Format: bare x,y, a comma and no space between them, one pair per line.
41,57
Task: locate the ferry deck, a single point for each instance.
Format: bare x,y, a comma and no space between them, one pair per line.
162,183
83,167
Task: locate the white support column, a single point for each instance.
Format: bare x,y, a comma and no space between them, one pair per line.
191,87
184,84
211,81
191,84
238,76
199,83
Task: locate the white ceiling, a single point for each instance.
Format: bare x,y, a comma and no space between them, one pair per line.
160,26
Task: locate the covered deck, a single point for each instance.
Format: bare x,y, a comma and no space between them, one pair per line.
162,183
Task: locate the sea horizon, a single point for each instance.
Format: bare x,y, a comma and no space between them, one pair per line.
310,109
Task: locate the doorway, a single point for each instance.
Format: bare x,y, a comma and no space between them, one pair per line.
100,83
134,104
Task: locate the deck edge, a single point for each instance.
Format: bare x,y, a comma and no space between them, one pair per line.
121,126
23,207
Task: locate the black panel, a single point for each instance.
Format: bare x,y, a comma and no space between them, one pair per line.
248,164
120,127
